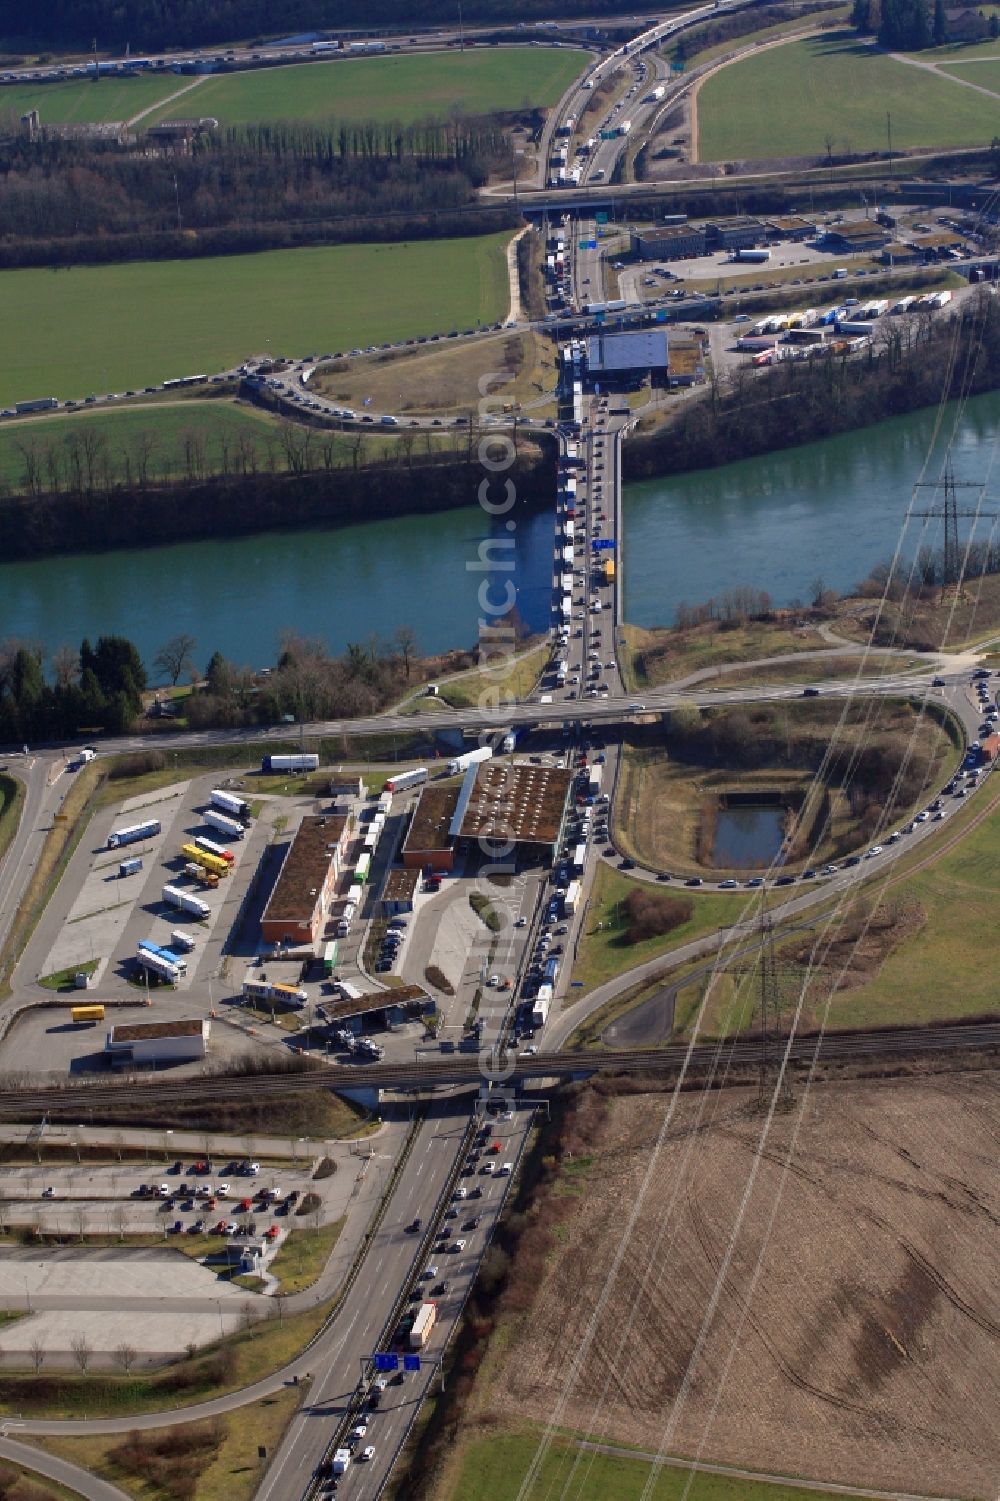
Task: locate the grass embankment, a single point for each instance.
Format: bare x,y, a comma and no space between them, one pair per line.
493,1467
671,795
83,102
214,1461
806,83
228,1365
68,826
189,440
763,35
936,972
11,804
653,658
20,1484
304,1255
511,682
935,622
209,315
817,670
427,379
403,89
603,952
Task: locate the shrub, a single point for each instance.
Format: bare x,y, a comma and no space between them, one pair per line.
325,1168
650,914
308,1202
438,979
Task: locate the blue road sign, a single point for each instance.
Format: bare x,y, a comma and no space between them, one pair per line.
411,1362
386,1362
661,315
601,217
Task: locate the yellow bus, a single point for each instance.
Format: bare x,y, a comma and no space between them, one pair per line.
214,863
87,1016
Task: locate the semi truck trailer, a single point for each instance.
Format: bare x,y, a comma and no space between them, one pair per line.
225,825
305,762
132,833
228,802
469,758
406,779
186,901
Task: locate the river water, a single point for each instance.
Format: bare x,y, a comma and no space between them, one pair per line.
832,509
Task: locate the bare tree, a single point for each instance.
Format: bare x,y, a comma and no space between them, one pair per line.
65,665
406,644
175,657
82,1351
248,1315
80,1220
125,1355
37,1352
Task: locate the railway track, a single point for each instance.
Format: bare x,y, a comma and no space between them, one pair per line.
151,1094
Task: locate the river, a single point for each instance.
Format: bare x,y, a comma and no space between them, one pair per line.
831,509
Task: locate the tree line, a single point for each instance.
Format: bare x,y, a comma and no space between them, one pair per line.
907,25
99,689
159,25
915,360
244,189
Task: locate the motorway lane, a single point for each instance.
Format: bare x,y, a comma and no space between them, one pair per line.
44,788
356,1332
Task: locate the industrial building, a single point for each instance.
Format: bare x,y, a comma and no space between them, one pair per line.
856,239
734,234
674,242
298,905
428,841
147,1044
346,787
513,806
399,890
901,255
377,1008
623,361
789,227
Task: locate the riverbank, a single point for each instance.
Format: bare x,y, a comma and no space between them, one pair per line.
224,506
915,364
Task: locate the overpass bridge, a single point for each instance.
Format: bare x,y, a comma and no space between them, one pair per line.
136,1096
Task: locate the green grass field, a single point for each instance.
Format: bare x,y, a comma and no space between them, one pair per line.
806,85
985,74
404,89
938,972
83,102
69,333
493,1469
765,34
603,954
217,431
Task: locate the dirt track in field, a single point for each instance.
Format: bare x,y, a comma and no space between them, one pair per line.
867,1352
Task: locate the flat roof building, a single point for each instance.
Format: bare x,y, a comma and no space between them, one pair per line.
789,227
734,234
298,905
428,841
626,359
158,1042
513,804
674,242
399,890
854,239
400,1004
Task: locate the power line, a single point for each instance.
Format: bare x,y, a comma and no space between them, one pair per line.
953,570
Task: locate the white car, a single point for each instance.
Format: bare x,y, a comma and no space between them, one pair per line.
876,849
460,1193
429,1273
368,1452
359,1430
456,1246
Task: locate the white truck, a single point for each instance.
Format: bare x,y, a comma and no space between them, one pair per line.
571,898
228,802
469,758
227,826
186,901
341,1461
181,940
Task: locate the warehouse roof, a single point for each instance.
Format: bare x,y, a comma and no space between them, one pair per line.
147,1031
432,819
305,868
400,885
645,350
408,996
515,801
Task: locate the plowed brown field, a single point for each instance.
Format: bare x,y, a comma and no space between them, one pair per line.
864,1348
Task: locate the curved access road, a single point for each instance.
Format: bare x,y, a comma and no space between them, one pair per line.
60,1471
